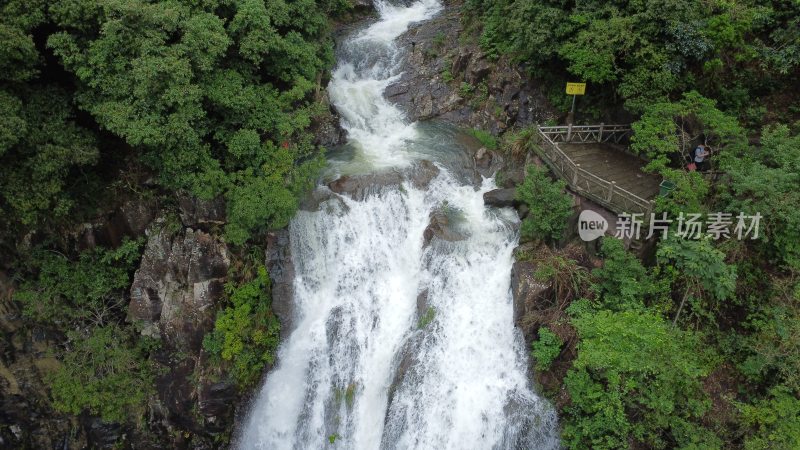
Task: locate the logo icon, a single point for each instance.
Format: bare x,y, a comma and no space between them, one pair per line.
591,225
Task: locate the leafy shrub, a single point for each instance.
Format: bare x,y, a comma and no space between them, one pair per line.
246,333
634,378
701,274
622,282
550,207
466,89
85,291
105,373
426,318
773,347
765,181
447,75
772,423
546,349
486,139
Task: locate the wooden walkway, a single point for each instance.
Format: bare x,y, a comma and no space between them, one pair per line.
591,159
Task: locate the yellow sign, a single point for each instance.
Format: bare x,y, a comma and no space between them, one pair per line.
576,88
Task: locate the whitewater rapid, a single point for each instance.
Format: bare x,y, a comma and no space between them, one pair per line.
397,344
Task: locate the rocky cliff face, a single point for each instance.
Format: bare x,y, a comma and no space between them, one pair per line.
174,297
447,76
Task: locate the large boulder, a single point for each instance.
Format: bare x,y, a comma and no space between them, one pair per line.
196,212
526,290
420,174
441,227
487,162
176,293
281,272
501,198
360,186
178,285
443,77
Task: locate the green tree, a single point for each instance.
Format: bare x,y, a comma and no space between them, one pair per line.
764,180
105,373
246,333
668,131
550,207
635,379
217,95
701,271
546,349
645,52
75,293
773,422
622,283
772,350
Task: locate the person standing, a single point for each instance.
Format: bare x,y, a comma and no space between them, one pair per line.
700,154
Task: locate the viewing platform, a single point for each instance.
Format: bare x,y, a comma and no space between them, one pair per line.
594,162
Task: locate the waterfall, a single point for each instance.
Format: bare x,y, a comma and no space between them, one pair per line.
397,344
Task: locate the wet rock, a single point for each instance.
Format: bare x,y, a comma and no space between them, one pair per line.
501,198
319,196
102,435
422,302
178,284
281,271
479,69
326,127
440,227
523,211
483,158
487,162
364,5
461,61
422,173
214,404
196,212
422,92
406,361
129,220
360,186
526,290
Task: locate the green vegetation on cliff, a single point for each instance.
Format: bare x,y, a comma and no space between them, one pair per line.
550,207
214,97
646,52
699,347
103,363
246,333
101,102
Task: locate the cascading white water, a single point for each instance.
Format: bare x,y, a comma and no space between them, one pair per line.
397,344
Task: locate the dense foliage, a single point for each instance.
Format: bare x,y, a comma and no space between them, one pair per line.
549,206
706,320
635,378
101,102
105,373
103,363
546,349
645,52
214,96
246,333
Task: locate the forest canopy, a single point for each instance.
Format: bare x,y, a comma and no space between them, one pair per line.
215,97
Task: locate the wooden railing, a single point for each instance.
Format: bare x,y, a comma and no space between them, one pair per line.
583,134
583,182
